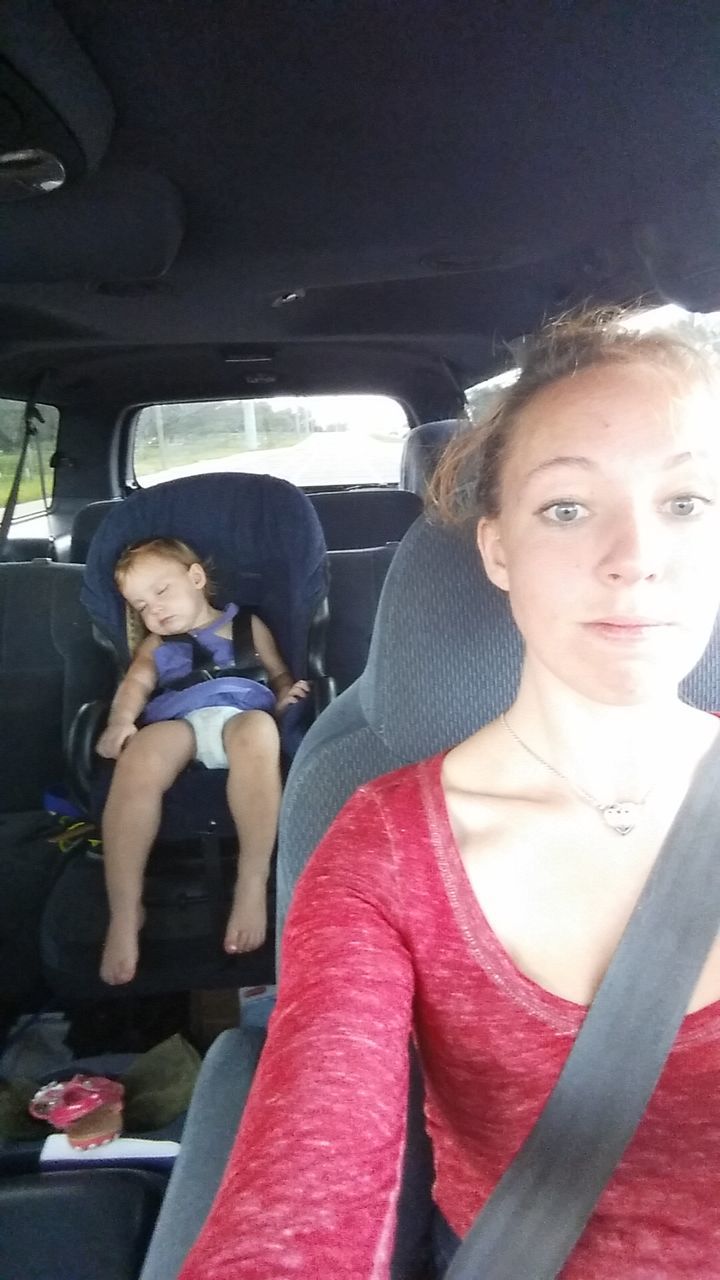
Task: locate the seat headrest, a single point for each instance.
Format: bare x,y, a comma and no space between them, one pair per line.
260,535
423,448
445,655
85,526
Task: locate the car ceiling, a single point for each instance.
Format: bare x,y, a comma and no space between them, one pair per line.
256,178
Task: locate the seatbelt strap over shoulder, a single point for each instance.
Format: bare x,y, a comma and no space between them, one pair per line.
540,1207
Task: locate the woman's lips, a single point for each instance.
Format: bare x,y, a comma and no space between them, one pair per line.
627,628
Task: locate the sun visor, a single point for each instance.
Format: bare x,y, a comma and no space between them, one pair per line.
51,97
121,224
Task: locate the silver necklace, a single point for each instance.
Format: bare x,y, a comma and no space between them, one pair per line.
621,816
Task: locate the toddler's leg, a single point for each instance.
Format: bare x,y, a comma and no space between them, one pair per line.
252,744
149,764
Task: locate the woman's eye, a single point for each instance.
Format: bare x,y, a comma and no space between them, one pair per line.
686,505
162,591
564,512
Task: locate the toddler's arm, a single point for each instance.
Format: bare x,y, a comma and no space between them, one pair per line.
132,695
286,689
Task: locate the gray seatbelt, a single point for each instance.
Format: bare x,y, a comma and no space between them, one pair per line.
540,1207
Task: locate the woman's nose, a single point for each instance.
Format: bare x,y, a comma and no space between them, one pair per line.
634,551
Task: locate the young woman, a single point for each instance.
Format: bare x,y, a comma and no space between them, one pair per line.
475,899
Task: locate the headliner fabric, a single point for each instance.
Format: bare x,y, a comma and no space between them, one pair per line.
262,538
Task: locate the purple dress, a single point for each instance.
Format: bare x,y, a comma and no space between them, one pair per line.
174,661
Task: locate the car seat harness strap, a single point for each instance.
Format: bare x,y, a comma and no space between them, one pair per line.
204,667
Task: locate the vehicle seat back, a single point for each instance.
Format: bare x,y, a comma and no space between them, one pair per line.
444,659
353,518
356,581
50,664
350,518
85,526
77,1225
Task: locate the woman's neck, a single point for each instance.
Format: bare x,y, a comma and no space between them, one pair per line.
612,752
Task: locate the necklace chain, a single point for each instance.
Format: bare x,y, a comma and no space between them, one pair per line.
621,815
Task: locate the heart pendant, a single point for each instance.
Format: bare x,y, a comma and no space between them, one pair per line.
621,817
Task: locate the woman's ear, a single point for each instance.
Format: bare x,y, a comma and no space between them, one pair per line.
491,549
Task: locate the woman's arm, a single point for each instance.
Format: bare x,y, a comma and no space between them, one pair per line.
312,1183
130,699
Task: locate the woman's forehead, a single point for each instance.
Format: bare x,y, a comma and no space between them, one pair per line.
619,410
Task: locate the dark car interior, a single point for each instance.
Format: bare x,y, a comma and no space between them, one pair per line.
222,228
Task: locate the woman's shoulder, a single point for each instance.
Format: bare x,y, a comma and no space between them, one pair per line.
402,785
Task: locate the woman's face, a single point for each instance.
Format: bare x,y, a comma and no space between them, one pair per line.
608,537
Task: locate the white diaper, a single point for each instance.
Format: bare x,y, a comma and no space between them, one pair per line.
207,724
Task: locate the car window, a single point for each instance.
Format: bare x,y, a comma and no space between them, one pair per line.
37,460
312,441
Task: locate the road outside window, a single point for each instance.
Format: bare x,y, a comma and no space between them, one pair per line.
312,441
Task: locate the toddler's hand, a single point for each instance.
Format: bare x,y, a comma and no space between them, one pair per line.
113,739
296,693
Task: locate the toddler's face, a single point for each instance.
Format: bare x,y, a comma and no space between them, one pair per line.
169,596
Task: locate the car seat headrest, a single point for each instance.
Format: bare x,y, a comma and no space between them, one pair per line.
445,655
423,448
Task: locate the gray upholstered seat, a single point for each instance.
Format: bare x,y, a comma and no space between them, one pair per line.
444,659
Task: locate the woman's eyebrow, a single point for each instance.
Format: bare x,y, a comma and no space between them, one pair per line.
571,460
563,460
687,456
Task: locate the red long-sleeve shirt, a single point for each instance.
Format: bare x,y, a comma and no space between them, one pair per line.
386,934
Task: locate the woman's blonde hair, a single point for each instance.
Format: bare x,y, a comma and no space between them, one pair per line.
467,483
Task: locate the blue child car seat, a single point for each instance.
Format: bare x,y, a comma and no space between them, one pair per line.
264,544
267,553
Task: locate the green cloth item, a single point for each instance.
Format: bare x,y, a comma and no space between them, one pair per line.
158,1087
16,1125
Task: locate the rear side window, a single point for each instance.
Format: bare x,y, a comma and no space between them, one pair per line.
37,460
312,441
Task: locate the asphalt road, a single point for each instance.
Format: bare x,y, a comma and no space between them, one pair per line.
331,457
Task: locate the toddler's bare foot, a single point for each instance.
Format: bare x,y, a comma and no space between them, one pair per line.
120,952
247,926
